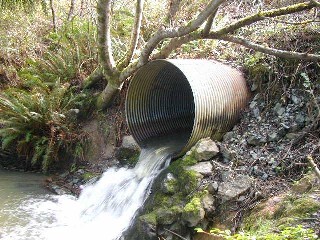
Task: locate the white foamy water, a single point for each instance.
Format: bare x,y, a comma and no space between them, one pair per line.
103,211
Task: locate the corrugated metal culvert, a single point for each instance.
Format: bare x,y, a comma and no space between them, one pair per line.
191,98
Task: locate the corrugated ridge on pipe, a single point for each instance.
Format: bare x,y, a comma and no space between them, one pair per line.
195,98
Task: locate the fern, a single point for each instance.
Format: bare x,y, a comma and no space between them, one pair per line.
35,122
71,56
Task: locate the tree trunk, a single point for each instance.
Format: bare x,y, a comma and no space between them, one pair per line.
106,97
54,21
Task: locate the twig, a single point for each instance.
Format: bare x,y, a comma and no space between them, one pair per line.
313,165
176,234
299,23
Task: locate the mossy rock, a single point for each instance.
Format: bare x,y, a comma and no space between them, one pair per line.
290,209
306,184
127,157
150,218
193,212
297,206
87,176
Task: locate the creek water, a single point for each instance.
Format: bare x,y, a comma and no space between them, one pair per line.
103,211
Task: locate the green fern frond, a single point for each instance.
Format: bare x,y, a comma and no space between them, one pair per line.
39,150
8,140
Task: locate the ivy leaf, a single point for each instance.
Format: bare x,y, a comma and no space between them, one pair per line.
199,230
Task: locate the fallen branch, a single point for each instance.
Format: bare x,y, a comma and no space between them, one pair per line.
314,166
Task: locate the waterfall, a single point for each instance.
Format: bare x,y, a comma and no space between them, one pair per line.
104,209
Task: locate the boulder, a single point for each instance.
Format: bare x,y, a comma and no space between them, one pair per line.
168,185
256,140
128,142
128,153
193,212
204,168
233,186
205,149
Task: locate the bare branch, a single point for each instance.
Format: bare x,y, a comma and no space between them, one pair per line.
313,165
71,10
173,9
316,2
129,70
314,19
266,14
178,32
104,37
175,43
270,51
209,23
135,32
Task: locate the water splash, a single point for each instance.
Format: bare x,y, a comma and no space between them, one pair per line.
104,209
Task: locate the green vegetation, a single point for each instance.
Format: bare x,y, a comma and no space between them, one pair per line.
41,103
293,233
178,197
40,122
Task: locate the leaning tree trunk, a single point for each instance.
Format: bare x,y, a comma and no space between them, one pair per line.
107,62
106,97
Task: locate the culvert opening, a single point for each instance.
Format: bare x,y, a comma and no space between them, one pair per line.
160,104
184,100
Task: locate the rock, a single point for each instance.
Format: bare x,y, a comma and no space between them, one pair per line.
278,109
276,136
208,204
305,184
256,113
296,100
255,140
204,168
168,185
72,114
233,186
128,142
227,154
80,171
57,189
213,187
205,149
300,119
254,87
166,217
193,212
128,152
292,136
229,136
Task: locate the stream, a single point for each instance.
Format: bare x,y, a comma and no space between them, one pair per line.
103,211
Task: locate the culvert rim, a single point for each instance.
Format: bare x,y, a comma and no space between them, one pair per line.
217,93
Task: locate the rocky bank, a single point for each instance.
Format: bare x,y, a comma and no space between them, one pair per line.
217,184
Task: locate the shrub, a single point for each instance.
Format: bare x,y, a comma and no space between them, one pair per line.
41,123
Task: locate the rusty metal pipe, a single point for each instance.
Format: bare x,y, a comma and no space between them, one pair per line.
197,98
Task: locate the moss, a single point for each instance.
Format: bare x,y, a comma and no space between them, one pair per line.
167,201
194,205
297,207
87,176
187,180
305,184
180,196
128,157
289,210
150,218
